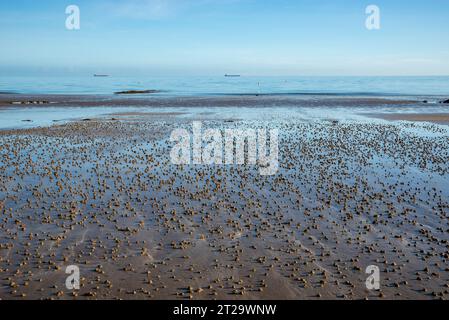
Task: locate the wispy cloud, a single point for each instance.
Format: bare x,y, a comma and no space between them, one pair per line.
143,9
156,9
420,60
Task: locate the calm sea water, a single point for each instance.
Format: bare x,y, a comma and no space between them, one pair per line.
223,85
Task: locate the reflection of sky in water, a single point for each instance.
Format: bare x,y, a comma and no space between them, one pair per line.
42,116
20,117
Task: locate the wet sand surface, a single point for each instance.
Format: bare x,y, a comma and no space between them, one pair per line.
309,100
103,195
441,118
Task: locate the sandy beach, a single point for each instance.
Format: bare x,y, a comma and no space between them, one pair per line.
102,194
441,118
230,100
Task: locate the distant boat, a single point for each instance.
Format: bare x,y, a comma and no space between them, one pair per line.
232,75
101,75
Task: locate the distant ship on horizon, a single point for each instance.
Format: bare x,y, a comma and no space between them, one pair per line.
101,75
232,75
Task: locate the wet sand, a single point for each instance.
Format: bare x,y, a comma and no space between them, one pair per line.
258,101
103,195
441,118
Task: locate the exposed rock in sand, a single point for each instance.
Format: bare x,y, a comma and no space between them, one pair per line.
137,92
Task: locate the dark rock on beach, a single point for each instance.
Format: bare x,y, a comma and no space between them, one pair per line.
31,102
137,92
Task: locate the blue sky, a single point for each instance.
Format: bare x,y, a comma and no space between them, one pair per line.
208,37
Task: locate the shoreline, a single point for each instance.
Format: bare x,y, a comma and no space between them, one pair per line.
18,100
48,110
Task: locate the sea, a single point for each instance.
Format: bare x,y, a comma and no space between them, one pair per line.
221,85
